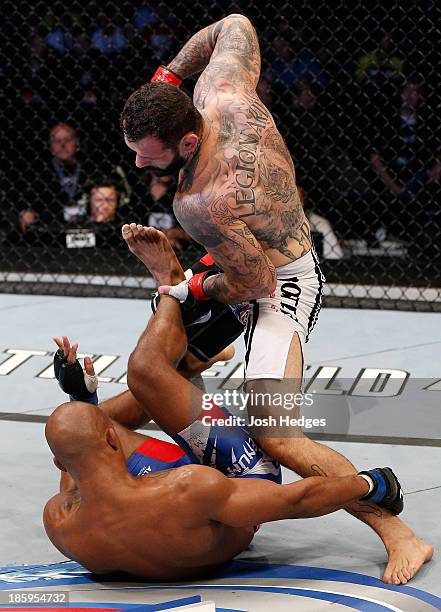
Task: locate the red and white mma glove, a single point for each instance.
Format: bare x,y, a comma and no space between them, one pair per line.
189,291
165,75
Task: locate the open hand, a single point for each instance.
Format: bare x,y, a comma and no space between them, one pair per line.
70,352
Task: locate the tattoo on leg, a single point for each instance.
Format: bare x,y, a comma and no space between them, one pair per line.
366,508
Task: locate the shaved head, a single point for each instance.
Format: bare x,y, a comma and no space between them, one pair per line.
76,429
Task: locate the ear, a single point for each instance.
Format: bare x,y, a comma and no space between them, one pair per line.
59,465
188,143
112,438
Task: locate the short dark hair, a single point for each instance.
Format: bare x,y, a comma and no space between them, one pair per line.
101,181
160,110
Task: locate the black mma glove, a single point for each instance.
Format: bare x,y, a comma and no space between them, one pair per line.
74,381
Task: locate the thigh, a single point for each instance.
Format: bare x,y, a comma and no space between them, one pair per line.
219,440
274,345
294,365
172,401
293,308
146,455
274,405
130,440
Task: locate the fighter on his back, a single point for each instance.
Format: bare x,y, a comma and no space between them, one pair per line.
120,509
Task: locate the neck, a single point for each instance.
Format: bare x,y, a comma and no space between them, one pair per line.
70,163
203,134
94,482
189,169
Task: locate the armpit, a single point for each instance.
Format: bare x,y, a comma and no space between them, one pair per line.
202,222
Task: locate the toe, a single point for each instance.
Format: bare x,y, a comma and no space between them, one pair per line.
387,576
134,229
412,570
401,577
126,231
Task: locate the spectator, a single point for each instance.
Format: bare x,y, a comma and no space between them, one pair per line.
103,201
108,39
404,158
144,17
312,126
294,62
381,65
56,194
107,211
60,196
60,38
331,248
378,78
160,210
161,42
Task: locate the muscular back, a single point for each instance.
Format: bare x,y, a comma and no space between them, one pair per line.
154,526
241,183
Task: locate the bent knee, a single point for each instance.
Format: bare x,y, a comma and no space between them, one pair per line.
144,373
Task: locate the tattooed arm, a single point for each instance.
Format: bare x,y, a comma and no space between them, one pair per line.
248,273
229,43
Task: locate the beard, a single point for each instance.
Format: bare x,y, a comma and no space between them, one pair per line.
176,164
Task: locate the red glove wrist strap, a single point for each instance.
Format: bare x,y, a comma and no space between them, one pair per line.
195,285
164,75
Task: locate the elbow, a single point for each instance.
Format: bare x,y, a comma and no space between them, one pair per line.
265,287
236,16
240,17
272,282
269,283
247,294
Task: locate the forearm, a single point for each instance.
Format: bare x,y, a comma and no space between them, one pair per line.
220,288
381,170
323,495
125,410
195,54
251,502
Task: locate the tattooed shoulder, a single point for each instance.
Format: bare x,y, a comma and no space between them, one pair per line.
273,141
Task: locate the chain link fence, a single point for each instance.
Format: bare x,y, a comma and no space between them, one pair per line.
352,86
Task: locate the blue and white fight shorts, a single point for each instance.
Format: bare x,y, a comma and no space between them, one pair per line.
207,441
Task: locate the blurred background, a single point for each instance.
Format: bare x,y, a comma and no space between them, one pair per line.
353,89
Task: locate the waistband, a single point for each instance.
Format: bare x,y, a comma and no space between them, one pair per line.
299,267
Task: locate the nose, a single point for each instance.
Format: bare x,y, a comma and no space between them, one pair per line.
141,162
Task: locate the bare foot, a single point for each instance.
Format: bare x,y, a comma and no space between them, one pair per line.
406,557
153,248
